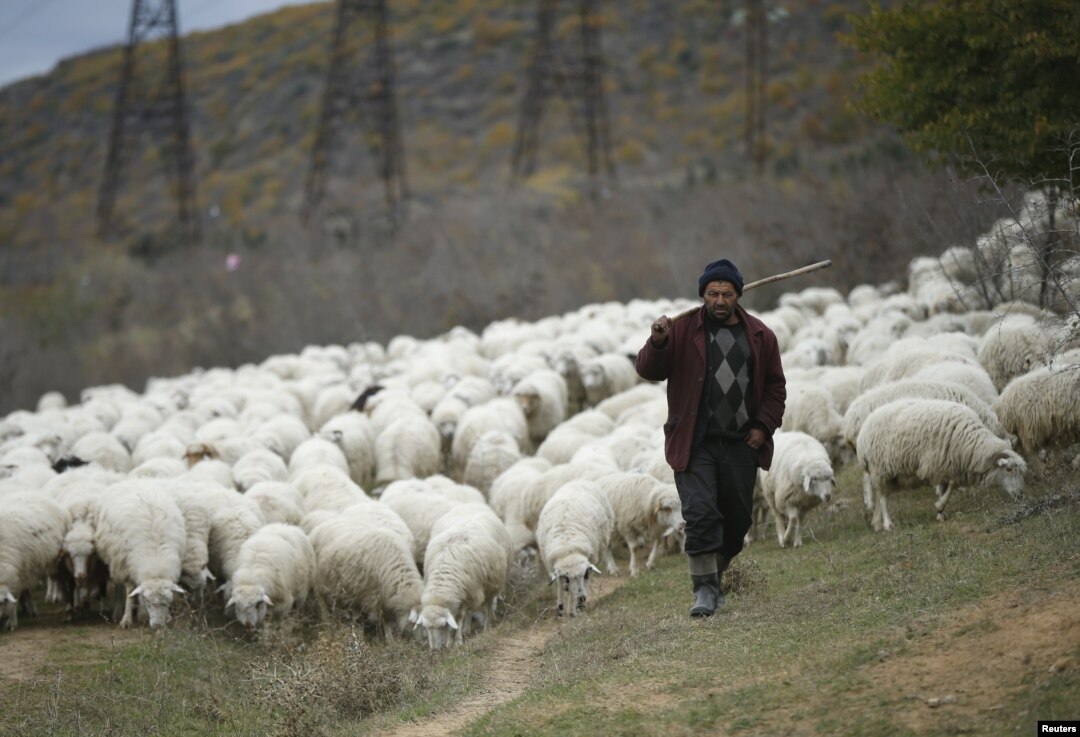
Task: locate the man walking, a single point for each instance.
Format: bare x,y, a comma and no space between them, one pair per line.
726,392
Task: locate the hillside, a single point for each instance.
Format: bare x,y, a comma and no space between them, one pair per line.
79,310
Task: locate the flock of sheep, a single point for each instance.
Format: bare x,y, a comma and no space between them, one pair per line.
399,485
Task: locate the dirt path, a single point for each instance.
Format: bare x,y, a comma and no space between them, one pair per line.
27,650
513,667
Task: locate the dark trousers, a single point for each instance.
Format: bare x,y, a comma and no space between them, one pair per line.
717,493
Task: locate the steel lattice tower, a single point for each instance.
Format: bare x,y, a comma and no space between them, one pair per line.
757,56
578,77
367,86
156,107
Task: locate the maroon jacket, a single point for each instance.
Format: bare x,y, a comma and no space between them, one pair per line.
682,363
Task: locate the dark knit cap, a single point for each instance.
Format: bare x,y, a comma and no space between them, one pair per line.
722,270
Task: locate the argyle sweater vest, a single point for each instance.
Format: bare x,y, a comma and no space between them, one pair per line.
727,380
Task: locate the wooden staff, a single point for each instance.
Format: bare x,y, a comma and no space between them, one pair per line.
767,280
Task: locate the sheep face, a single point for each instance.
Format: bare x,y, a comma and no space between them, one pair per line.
528,401
819,486
155,598
77,551
1008,473
592,377
669,518
8,608
250,605
196,581
571,577
439,624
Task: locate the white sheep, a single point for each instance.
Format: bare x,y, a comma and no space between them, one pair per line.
465,570
969,376
867,402
258,466
282,434
646,511
409,447
140,536
327,487
314,452
279,501
607,375
573,535
1012,349
542,396
494,452
615,405
105,450
158,444
32,530
567,438
507,496
420,507
499,414
905,357
275,567
352,432
810,409
368,569
1041,407
931,441
801,478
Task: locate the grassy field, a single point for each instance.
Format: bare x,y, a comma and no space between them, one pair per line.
971,626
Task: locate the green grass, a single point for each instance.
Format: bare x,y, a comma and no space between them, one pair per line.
799,651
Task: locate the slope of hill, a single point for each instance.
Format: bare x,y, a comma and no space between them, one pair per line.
76,310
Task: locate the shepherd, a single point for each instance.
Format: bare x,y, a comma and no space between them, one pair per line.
726,392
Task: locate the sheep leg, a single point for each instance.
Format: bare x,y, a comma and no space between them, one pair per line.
609,562
942,500
781,524
650,563
886,520
632,547
791,530
798,530
868,493
129,607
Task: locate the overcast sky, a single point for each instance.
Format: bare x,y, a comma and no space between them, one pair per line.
35,34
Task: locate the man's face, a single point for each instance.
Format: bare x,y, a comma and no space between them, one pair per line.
720,301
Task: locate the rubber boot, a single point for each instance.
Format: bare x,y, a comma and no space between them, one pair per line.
706,595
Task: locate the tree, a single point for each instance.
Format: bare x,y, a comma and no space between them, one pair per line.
973,81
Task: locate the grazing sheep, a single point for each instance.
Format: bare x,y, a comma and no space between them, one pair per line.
234,519
646,511
275,567
607,375
574,533
258,466
420,507
409,447
582,429
969,376
499,414
494,452
931,441
352,432
279,501
1012,349
314,452
104,449
465,570
365,568
508,493
1041,407
867,402
906,357
542,396
329,488
32,530
810,409
141,537
801,477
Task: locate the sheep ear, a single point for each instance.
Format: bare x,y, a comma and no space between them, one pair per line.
178,589
414,617
230,602
137,591
553,577
451,621
806,483
9,598
267,600
594,568
221,589
208,574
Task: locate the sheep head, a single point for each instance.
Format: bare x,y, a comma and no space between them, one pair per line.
1007,472
250,604
155,598
439,624
571,575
